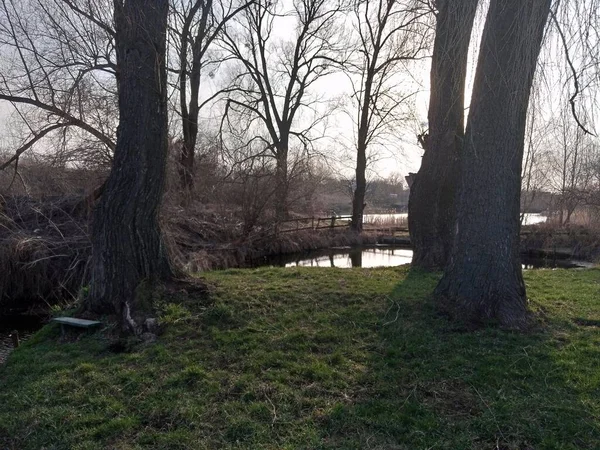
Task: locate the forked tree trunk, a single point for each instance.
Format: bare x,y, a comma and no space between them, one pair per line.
126,238
483,281
431,205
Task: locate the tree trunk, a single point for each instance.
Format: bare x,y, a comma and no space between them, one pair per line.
126,239
431,205
189,117
358,200
356,257
187,156
281,182
483,280
570,211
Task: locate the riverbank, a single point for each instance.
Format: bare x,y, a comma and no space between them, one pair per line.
45,245
573,242
307,358
248,253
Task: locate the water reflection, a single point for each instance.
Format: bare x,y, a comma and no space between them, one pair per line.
384,257
23,324
356,257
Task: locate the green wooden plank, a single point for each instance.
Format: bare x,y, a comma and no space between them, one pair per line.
81,323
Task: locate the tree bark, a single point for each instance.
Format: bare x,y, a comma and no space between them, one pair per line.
431,205
126,238
281,181
358,199
356,257
483,280
189,117
191,111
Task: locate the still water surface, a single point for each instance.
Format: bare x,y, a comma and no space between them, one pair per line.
25,325
383,256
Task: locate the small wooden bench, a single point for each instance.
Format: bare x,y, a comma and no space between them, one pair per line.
73,322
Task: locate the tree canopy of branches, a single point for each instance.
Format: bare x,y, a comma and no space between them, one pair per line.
274,76
58,73
195,24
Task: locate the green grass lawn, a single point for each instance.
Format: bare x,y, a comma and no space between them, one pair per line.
319,359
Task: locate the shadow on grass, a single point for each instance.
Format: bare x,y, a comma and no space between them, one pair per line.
433,385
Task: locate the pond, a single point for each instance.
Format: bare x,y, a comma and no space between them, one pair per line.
383,256
25,326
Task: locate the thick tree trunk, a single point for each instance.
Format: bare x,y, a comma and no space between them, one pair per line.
356,257
126,239
483,281
431,205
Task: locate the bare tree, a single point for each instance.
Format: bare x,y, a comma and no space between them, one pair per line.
390,33
575,28
560,142
194,26
275,76
570,162
127,247
431,207
534,176
483,280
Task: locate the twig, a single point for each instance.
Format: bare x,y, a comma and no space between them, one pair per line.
574,72
394,302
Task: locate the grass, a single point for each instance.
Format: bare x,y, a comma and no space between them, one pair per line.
319,359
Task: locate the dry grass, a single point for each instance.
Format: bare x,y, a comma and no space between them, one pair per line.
45,245
385,221
44,248
579,241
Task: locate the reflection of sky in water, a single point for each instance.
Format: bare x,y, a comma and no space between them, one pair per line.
529,219
378,257
532,219
368,258
6,343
